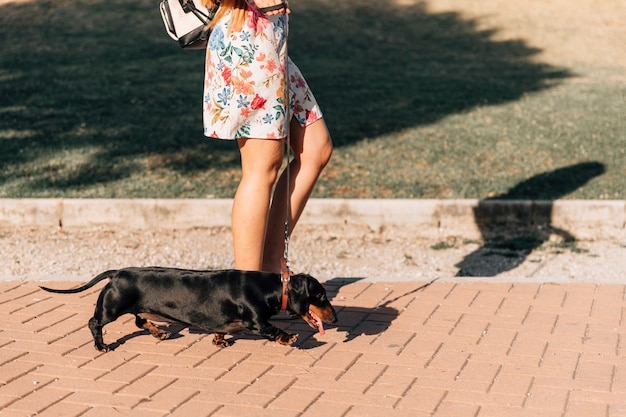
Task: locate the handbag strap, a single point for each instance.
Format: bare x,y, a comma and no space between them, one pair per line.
190,7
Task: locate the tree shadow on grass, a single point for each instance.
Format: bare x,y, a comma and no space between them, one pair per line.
378,66
511,230
101,80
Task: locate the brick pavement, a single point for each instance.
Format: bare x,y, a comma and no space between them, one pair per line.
444,349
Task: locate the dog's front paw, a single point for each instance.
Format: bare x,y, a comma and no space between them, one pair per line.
287,339
164,335
102,348
219,341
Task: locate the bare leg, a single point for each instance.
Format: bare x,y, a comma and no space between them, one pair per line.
312,148
260,163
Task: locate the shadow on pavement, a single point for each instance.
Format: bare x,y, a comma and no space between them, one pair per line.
512,227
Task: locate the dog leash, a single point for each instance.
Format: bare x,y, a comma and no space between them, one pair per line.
285,270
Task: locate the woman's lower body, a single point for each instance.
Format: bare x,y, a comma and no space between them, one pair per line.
245,99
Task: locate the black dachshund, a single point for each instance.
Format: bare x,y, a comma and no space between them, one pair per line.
222,302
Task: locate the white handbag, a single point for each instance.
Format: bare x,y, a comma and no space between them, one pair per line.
186,21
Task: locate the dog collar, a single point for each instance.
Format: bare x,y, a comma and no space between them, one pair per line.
284,278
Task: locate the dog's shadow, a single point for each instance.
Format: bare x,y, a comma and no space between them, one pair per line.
357,321
354,321
174,329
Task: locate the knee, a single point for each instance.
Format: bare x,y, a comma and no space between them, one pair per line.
262,171
263,174
272,170
325,152
316,154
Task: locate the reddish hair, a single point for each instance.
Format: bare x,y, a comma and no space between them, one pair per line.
238,8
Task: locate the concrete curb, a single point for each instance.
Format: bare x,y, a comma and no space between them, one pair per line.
583,219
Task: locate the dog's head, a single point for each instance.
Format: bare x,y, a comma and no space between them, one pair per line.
307,299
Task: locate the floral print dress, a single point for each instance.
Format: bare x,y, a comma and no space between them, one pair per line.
244,93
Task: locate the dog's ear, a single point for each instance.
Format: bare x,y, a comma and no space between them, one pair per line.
298,293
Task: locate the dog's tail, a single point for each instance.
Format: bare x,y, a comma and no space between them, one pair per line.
84,287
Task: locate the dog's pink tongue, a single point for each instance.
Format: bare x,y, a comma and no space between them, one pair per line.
319,323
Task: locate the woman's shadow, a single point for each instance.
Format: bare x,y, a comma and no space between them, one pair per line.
511,230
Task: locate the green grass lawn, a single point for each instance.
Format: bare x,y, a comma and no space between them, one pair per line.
422,102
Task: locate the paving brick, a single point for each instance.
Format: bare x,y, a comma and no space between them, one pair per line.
14,369
464,394
82,349
586,409
337,359
363,372
193,408
199,347
268,384
127,372
295,399
461,296
529,345
71,384
392,341
53,358
447,349
510,383
589,369
51,315
246,372
23,385
471,325
540,321
496,410
9,355
420,398
224,359
187,372
166,399
147,385
602,334
392,385
326,409
238,410
299,358
497,337
220,388
371,410
600,397
454,409
541,398
58,371
444,317
353,398
39,400
448,357
160,359
479,375
106,361
104,411
616,410
73,340
61,409
557,358
96,399
514,308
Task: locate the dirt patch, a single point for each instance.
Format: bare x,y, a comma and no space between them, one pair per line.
393,254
